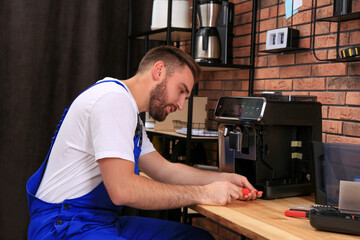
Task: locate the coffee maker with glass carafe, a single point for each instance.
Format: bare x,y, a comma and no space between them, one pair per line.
207,46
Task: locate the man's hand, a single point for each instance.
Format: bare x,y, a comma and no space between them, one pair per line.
223,192
242,182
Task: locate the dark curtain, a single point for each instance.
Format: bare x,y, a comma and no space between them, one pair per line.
50,52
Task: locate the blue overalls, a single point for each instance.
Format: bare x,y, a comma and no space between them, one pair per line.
94,216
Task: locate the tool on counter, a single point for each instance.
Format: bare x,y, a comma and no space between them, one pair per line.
328,218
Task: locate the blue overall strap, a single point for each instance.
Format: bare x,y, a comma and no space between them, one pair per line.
37,176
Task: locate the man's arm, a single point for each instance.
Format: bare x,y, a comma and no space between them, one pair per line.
158,168
126,188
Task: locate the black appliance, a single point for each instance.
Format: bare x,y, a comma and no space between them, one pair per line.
224,27
268,139
213,42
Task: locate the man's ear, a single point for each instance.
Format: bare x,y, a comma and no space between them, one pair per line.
158,71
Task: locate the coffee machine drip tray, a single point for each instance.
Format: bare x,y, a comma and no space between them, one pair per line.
268,139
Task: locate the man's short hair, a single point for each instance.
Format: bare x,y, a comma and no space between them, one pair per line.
172,58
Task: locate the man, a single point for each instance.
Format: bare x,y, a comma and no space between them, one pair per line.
92,167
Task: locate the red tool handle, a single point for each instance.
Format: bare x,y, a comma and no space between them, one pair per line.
297,213
246,191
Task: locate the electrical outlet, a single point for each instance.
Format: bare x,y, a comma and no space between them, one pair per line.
282,38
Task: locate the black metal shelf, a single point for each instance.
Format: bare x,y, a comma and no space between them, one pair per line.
221,67
342,18
338,19
283,50
177,34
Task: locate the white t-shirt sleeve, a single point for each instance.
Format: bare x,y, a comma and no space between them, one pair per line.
112,123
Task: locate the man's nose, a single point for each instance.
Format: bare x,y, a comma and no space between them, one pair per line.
181,103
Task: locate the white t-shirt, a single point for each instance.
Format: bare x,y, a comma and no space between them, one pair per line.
100,123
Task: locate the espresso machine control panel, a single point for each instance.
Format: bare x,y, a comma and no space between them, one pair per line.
245,108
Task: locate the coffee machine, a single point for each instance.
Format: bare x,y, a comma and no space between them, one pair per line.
214,36
268,139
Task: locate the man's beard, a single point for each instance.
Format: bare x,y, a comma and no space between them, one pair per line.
158,102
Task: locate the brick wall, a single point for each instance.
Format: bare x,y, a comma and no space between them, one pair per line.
335,84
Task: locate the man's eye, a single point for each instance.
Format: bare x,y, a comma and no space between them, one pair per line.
181,90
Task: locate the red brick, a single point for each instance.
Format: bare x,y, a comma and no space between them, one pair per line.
352,129
295,71
354,38
324,12
242,61
332,54
305,43
231,85
344,39
276,11
296,93
239,94
278,85
329,126
268,3
246,18
349,25
307,4
237,20
243,8
322,28
283,22
325,41
277,60
341,139
345,113
242,41
354,69
241,52
264,13
332,69
353,98
309,84
212,85
337,98
261,61
207,75
245,85
356,6
343,83
301,18
266,73
225,75
211,104
259,85
308,57
267,24
262,38
242,30
305,30
321,3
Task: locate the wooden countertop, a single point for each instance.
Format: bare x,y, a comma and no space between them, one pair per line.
265,219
